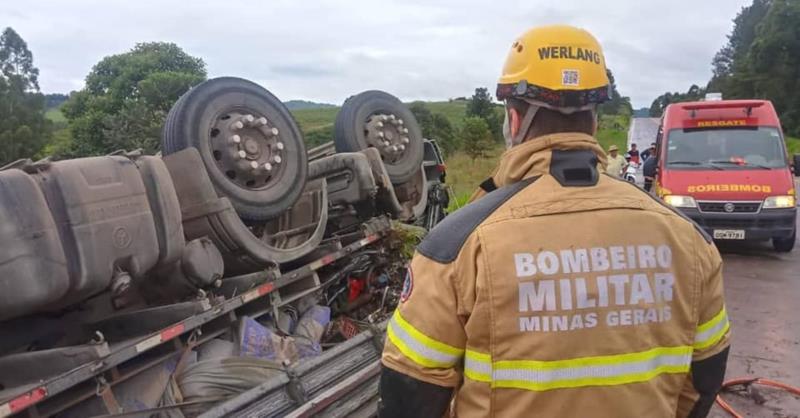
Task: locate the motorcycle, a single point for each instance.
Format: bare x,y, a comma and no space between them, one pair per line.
630,172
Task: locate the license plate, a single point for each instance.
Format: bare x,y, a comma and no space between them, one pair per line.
728,234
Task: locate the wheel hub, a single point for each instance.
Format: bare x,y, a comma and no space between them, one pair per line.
252,148
387,133
247,148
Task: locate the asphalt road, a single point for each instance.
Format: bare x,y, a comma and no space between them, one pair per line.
762,291
643,132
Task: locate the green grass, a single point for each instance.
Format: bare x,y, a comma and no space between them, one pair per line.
317,124
608,137
55,115
793,145
464,175
454,111
311,120
315,119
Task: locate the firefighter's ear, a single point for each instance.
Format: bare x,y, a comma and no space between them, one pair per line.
513,121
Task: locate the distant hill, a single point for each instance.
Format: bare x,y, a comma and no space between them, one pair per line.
641,113
305,104
54,100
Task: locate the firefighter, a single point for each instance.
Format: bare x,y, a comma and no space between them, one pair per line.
532,300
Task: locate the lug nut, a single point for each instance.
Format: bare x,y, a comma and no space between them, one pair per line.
237,125
236,139
379,124
277,159
274,131
380,134
386,143
401,147
405,130
384,118
400,121
279,146
242,154
404,140
248,118
392,117
254,165
261,121
267,166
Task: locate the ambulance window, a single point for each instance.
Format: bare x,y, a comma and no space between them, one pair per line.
726,148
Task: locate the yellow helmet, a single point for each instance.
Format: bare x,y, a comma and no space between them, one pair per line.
559,66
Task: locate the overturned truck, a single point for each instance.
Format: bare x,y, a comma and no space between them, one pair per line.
239,274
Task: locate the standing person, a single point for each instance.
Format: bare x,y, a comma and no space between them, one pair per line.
633,154
648,152
529,300
616,163
649,169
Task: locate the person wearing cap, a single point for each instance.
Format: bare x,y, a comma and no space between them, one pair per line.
529,301
616,162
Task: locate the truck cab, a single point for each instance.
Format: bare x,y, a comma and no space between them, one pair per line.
725,165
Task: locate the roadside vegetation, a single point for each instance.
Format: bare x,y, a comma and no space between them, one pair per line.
760,60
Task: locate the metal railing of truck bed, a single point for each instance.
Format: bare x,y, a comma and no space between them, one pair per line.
97,378
342,382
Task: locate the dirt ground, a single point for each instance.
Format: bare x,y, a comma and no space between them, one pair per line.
762,290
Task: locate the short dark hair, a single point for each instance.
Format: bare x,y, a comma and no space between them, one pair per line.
549,121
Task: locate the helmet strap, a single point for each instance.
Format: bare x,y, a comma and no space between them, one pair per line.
525,124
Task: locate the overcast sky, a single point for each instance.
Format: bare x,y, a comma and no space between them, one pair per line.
415,49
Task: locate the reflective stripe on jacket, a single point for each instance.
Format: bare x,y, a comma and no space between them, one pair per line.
540,298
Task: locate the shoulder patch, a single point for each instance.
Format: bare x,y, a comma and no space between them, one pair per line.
408,285
697,227
444,242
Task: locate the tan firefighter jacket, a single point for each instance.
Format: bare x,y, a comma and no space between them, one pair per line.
564,293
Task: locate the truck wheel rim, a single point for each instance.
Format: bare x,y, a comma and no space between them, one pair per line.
247,148
388,134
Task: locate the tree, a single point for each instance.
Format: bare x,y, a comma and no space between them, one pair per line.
53,100
762,58
482,106
16,61
773,61
127,97
435,126
23,127
616,104
476,137
730,70
694,93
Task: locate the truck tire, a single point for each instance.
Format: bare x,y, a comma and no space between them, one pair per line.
250,144
784,245
376,119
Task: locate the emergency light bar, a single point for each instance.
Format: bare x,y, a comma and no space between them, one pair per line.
723,105
748,105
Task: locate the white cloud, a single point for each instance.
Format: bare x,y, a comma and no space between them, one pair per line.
327,50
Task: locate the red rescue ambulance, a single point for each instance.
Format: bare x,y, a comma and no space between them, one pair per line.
724,164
